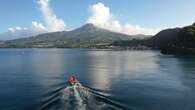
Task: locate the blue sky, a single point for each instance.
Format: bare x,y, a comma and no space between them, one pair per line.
143,13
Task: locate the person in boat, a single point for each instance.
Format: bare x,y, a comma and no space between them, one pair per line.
72,80
74,83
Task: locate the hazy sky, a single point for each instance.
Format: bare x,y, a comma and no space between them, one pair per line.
128,16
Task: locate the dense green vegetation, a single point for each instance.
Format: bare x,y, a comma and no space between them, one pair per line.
177,41
170,41
185,42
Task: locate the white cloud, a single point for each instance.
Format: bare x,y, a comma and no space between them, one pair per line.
23,32
102,17
53,23
11,29
38,26
136,29
100,14
18,28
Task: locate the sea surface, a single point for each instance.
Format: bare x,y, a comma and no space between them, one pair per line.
36,79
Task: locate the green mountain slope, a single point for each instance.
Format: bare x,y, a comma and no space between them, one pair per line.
182,42
180,37
173,41
87,36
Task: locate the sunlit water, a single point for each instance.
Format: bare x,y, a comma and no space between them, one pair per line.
36,79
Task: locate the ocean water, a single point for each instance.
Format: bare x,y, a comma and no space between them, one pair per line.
36,79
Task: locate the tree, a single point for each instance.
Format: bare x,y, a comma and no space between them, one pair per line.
194,24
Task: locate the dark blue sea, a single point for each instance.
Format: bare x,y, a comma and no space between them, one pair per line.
36,79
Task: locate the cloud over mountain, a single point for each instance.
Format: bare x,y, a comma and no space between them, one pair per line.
52,22
101,16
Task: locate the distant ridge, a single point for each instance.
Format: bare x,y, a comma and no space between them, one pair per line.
19,34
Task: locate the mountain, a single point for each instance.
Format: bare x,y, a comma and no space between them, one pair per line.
165,37
180,37
9,35
169,41
87,36
177,41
